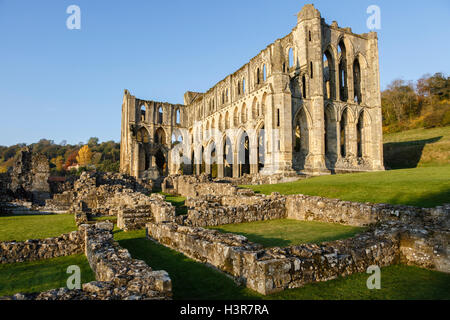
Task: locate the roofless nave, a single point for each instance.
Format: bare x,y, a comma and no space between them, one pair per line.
308,103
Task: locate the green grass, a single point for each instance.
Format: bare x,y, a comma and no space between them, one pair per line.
195,281
24,227
38,276
398,282
113,219
178,203
417,148
283,233
190,280
422,187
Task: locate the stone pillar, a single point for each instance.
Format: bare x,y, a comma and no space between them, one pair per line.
310,36
236,165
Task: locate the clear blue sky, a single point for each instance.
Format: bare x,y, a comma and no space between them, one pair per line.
65,84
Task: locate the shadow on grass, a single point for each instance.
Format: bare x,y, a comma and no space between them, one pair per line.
428,201
405,155
190,280
195,281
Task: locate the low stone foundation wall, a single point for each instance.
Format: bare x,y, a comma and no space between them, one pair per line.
311,208
214,210
33,250
427,248
136,211
119,277
195,186
272,270
259,179
111,263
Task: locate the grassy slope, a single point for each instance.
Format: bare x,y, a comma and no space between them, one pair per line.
417,148
195,281
426,152
22,228
38,276
282,233
422,187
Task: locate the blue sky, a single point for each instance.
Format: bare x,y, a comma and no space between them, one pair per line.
65,84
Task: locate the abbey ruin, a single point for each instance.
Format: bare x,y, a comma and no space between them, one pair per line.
308,103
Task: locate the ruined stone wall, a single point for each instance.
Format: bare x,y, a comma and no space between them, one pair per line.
271,270
195,186
119,277
427,248
34,250
220,210
29,177
320,78
134,212
97,193
312,208
259,179
111,263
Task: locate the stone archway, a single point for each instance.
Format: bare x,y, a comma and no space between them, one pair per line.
227,157
161,162
243,152
301,136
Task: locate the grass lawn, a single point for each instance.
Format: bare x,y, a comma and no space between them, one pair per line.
21,228
422,187
283,233
113,219
195,281
178,203
38,276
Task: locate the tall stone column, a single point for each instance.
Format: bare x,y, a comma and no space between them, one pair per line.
310,36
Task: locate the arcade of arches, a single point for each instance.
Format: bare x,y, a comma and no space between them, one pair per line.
308,104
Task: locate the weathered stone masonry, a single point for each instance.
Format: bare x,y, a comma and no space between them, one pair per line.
308,103
34,250
273,270
410,235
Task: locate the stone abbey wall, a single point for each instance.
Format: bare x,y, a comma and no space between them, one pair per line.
308,103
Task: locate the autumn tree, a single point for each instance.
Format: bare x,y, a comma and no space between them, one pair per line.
84,156
71,159
58,162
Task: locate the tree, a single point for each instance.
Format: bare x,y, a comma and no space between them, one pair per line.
84,156
58,162
92,142
71,159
